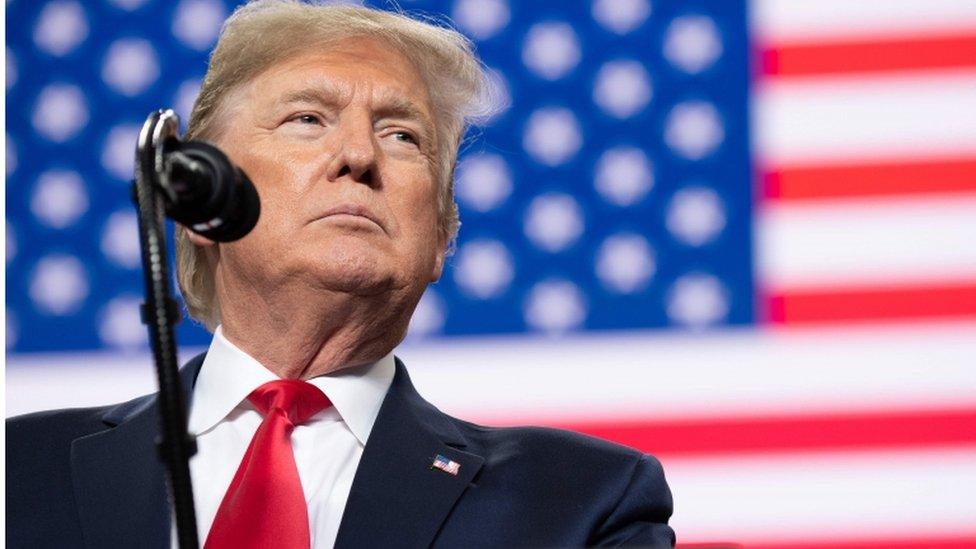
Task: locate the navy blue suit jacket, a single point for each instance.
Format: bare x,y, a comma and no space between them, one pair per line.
91,478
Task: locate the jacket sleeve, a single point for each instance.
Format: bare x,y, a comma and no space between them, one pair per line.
640,517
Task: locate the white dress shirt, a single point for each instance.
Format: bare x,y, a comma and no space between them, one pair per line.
327,448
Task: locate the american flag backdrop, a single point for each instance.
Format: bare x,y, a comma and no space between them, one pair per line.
738,235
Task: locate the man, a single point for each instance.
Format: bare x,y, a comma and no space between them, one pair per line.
310,433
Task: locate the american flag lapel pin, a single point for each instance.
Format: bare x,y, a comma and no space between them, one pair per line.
448,466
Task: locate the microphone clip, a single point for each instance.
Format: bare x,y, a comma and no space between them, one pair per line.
200,187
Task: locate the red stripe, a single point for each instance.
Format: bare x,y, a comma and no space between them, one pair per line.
817,306
780,434
957,542
791,183
869,56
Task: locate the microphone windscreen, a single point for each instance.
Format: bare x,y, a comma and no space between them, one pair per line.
214,198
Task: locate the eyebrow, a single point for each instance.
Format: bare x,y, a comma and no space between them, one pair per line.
391,105
307,95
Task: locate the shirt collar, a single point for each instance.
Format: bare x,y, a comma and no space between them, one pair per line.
228,375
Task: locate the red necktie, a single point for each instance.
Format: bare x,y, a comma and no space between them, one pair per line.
265,505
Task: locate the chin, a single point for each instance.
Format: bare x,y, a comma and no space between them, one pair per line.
355,269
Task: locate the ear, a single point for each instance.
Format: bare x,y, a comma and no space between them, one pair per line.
438,267
198,240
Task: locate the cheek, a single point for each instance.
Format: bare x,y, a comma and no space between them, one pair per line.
425,223
267,172
278,180
421,206
271,164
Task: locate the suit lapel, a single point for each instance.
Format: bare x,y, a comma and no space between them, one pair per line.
397,498
119,480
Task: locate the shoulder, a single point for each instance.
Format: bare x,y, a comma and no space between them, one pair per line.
39,451
587,491
545,442
614,494
43,439
72,422
574,464
531,457
53,426
39,444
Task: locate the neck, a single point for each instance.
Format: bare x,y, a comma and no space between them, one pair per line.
305,334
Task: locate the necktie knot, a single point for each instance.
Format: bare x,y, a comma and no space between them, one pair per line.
297,399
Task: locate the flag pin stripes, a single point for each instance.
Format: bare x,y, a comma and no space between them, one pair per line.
448,466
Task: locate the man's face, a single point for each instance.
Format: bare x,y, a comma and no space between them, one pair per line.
341,147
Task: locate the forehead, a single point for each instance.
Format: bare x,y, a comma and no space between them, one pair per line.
351,66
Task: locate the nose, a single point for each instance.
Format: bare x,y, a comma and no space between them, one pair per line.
356,153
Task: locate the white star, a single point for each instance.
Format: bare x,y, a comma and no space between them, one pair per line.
625,263
120,239
621,16
694,129
555,306
120,324
483,269
197,22
11,74
60,112
10,155
12,329
697,300
622,89
10,242
692,43
119,151
130,66
554,221
481,19
484,181
551,50
552,136
59,198
695,215
59,285
60,27
428,317
128,5
624,175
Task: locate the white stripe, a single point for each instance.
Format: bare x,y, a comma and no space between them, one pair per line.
648,374
822,497
878,241
820,20
668,376
830,119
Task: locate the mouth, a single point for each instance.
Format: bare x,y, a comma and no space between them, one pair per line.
353,211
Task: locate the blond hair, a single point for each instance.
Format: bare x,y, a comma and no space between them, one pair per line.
264,32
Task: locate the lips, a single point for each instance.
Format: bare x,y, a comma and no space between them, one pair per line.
353,209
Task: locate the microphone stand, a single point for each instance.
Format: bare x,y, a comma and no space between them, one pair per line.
160,313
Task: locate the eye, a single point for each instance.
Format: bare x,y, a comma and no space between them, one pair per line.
306,119
406,137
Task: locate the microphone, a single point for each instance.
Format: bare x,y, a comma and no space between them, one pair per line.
205,192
